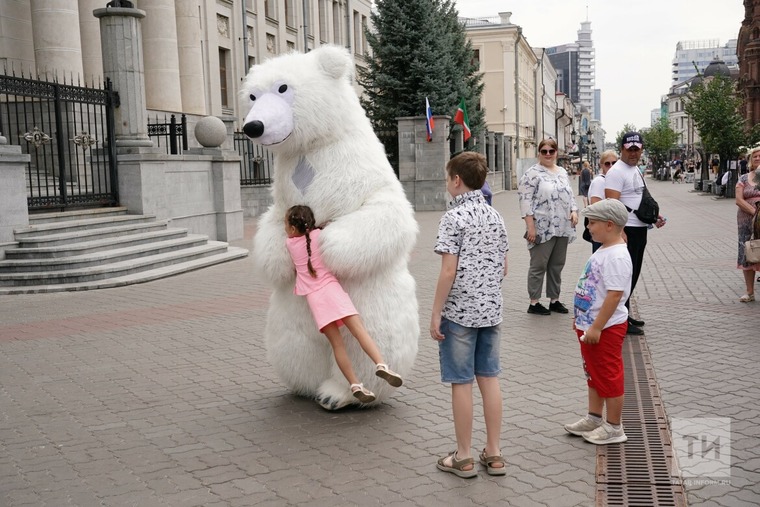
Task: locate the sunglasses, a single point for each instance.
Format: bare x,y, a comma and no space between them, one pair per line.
548,152
608,164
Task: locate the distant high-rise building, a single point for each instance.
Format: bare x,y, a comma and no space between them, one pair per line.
576,68
700,53
597,104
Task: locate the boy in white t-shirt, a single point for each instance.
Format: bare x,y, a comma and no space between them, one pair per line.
601,321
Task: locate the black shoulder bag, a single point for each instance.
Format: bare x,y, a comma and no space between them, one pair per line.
648,211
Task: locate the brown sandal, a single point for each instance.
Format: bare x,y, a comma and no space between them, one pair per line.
487,461
362,394
457,466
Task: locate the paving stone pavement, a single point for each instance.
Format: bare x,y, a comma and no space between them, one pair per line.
160,393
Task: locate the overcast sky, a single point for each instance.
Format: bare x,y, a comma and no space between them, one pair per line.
635,41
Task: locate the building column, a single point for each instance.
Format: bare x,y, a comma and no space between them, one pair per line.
162,82
190,58
89,31
121,39
57,52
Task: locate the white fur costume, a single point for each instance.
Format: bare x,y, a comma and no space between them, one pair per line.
304,109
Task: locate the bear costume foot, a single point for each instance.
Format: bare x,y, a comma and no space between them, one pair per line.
334,395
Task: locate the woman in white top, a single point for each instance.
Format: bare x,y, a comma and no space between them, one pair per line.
596,190
547,205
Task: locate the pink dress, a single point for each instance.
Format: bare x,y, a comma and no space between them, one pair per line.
327,300
745,221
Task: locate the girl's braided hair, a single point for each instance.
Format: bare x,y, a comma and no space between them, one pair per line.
302,218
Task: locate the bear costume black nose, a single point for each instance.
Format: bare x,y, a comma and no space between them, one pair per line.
253,129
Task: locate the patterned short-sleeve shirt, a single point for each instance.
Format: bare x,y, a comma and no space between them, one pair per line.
475,232
549,198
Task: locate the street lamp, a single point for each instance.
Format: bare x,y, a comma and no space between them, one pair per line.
591,144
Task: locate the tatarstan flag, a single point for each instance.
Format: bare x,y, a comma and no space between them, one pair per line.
464,120
429,122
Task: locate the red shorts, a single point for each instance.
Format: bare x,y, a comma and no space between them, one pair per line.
603,362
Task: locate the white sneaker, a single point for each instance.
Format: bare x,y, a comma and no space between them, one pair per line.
582,426
605,434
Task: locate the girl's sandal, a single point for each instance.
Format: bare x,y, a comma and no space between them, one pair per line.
362,394
457,466
488,461
390,376
747,298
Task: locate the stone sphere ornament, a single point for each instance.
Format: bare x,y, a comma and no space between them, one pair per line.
210,132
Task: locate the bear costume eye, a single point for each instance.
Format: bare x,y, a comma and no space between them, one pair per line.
252,97
283,88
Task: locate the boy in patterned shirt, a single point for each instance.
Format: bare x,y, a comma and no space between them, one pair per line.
466,317
601,321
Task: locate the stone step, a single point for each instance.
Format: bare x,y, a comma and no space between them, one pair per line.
112,270
66,238
98,245
112,255
82,224
64,216
230,254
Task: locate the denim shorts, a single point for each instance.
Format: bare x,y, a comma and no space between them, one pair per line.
466,352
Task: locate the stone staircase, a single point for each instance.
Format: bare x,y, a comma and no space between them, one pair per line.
100,248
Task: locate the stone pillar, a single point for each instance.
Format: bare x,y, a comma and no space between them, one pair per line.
57,45
13,206
89,30
121,39
422,164
162,83
190,58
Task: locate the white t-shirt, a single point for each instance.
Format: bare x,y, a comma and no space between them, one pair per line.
609,268
627,180
597,188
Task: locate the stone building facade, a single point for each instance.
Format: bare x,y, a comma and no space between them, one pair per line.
748,51
196,52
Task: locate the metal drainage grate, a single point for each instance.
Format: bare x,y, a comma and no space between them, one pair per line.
643,471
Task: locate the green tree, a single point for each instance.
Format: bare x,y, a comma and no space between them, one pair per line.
419,50
715,107
658,141
628,127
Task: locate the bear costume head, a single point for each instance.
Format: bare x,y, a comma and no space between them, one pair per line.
303,108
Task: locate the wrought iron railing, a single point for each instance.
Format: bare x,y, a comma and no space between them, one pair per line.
173,134
256,162
68,131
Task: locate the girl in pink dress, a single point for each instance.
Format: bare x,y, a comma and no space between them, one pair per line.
330,306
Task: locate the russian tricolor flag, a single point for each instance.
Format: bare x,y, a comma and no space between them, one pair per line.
429,123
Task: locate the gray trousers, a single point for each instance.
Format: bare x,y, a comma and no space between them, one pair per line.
547,258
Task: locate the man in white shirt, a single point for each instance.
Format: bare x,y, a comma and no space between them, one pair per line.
625,183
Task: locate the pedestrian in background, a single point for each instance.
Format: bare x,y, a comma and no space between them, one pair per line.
625,182
596,189
467,307
747,219
600,323
584,182
548,206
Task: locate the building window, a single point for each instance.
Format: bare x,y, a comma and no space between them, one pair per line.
365,46
357,33
224,55
271,44
324,32
290,13
291,46
270,8
475,58
336,23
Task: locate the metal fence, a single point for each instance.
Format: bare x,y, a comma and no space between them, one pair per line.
256,162
68,131
173,134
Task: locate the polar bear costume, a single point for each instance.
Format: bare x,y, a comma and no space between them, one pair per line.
304,109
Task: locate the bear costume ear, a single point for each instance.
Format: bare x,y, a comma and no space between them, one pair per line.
334,61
